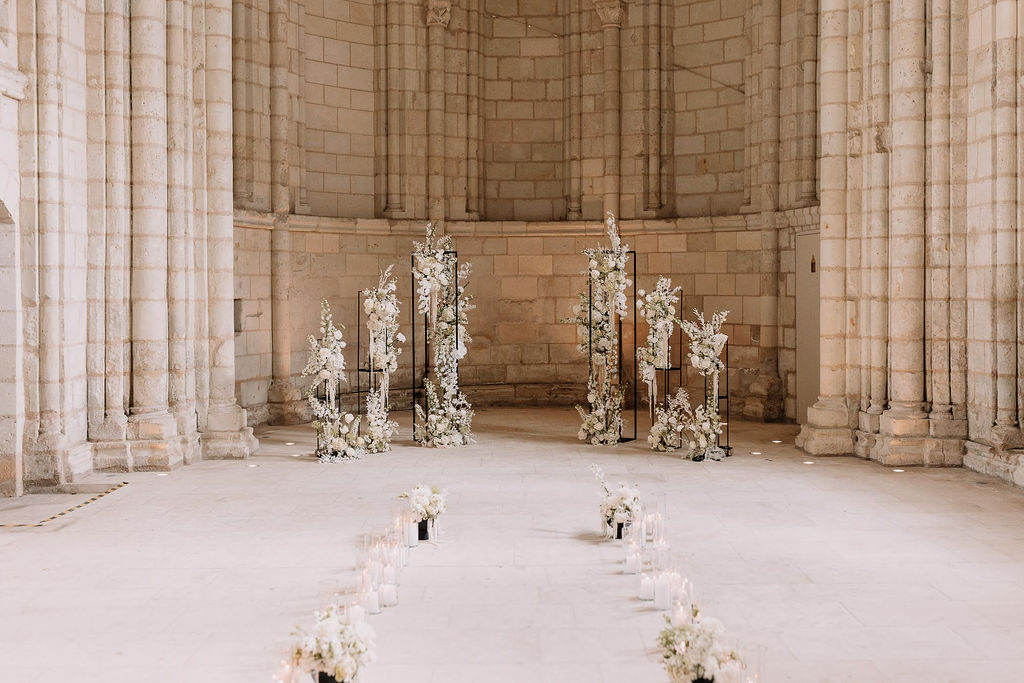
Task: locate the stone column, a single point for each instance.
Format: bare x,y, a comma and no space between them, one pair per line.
43,464
938,218
285,400
112,432
151,425
439,13
226,435
611,13
808,102
181,399
12,370
1004,178
877,209
828,421
904,420
574,208
766,390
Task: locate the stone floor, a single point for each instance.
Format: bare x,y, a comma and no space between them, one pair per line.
840,570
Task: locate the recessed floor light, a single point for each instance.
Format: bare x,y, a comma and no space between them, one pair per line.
755,452
296,455
776,441
808,462
161,474
253,465
897,470
289,443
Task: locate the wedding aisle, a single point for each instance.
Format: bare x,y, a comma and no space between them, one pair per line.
839,570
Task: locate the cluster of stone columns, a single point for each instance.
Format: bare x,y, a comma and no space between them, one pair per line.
126,359
920,217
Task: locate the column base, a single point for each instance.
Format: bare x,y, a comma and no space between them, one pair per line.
154,442
909,437
1006,464
227,436
827,431
50,462
764,401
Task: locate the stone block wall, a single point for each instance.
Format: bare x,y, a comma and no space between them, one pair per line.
710,47
523,111
340,107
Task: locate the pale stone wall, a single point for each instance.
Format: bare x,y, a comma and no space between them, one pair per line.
709,103
524,282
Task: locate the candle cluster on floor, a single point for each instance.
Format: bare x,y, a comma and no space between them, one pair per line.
647,555
382,559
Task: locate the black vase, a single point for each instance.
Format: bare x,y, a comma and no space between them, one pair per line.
703,680
618,531
424,529
324,677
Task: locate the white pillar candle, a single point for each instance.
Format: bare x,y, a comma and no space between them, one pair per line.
662,591
646,587
388,594
633,561
412,532
388,574
372,602
356,613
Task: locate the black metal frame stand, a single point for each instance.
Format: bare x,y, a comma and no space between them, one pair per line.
368,368
723,395
590,344
321,394
420,382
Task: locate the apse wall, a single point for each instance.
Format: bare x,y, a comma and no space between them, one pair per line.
524,282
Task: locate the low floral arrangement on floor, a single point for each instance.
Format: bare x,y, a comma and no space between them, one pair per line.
337,432
441,295
691,648
595,317
620,505
336,646
380,304
658,308
670,422
426,502
706,344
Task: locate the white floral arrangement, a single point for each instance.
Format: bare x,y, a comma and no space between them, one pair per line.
335,646
380,304
337,432
596,316
706,342
692,650
706,345
379,428
658,308
441,295
426,502
670,422
620,505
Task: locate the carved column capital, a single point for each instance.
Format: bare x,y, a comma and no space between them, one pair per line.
610,12
439,13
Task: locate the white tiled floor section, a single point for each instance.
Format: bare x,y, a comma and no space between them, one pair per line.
838,571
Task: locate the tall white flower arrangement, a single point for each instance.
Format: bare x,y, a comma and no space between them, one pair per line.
337,432
658,308
380,304
441,295
596,317
706,344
